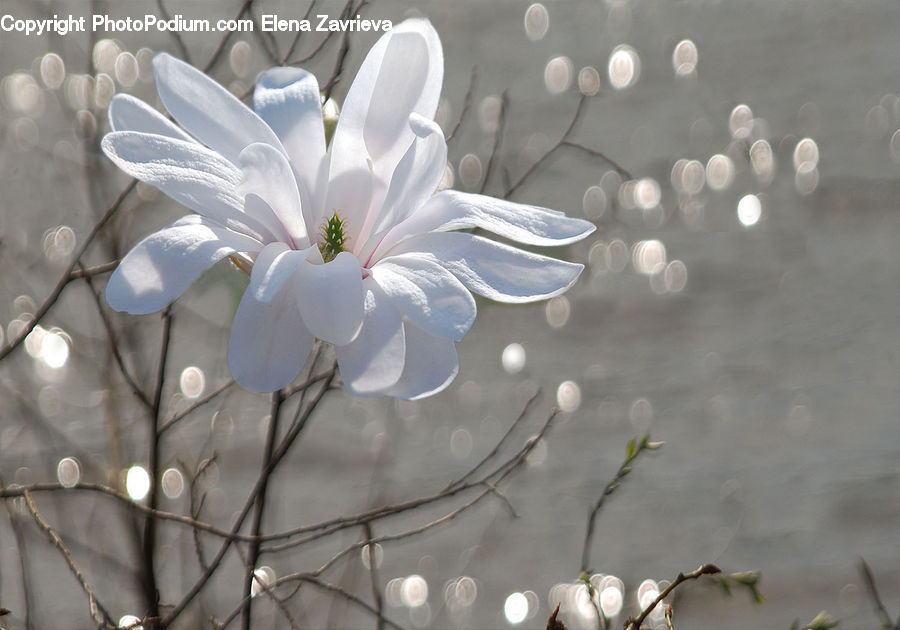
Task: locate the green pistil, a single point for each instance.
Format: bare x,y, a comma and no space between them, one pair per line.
332,238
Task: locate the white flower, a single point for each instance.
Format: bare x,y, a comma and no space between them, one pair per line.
351,244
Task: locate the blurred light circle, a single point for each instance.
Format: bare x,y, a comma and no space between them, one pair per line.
538,453
762,161
675,276
461,443
369,551
466,590
641,414
126,69
624,67
648,256
646,593
104,90
392,592
470,170
806,154
806,179
740,123
515,608
558,74
489,113
895,146
719,172
130,622
557,311
647,193
54,349
68,471
414,591
192,382
589,81
749,210
447,179
239,58
684,57
53,70
568,396
137,483
693,177
104,55
616,255
513,358
537,21
144,58
21,92
594,202
263,579
172,483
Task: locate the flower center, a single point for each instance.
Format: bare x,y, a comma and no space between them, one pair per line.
332,237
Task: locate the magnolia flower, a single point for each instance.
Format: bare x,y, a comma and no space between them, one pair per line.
349,244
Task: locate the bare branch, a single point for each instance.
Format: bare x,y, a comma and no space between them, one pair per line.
706,569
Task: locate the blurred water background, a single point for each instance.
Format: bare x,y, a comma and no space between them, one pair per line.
741,302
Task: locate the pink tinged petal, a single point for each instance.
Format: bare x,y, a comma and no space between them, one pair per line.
453,210
163,265
127,113
266,173
416,177
491,269
288,99
330,297
427,294
187,172
400,76
269,344
431,364
207,110
275,266
374,360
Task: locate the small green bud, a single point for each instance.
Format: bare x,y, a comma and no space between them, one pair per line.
333,237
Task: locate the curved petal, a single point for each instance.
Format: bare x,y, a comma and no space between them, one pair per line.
127,113
269,344
400,76
431,364
163,265
288,99
374,360
266,173
427,294
275,266
454,210
330,297
416,177
207,110
494,270
187,172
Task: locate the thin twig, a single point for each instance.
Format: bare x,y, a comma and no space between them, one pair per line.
12,344
498,141
99,614
96,270
880,609
220,48
296,40
595,153
176,35
165,426
635,448
706,569
373,573
467,103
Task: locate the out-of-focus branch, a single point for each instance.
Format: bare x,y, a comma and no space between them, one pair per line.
706,569
467,104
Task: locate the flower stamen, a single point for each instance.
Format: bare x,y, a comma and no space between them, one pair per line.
332,237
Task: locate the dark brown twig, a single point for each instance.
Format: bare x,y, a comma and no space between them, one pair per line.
706,569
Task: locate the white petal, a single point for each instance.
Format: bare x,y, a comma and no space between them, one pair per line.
374,360
427,294
187,172
266,173
127,113
401,75
288,99
330,297
453,210
494,270
275,266
269,344
208,111
163,265
431,364
416,177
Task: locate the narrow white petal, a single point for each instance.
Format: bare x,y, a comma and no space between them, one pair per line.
269,344
416,177
275,266
374,360
330,297
494,270
266,173
453,210
401,75
431,364
163,265
187,172
427,294
127,113
207,110
288,99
